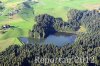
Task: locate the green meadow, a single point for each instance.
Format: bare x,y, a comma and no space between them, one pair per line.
24,23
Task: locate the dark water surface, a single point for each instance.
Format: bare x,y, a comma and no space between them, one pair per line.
58,39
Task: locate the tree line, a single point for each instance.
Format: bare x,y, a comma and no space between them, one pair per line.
86,45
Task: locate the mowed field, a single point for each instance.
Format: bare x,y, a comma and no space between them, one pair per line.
21,29
56,8
59,8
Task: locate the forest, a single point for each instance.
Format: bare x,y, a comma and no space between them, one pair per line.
87,43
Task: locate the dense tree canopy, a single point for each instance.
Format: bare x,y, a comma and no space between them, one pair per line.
86,45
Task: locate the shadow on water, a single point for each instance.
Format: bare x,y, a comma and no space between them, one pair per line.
58,39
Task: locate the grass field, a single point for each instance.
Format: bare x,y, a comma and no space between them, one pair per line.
56,8
59,8
10,37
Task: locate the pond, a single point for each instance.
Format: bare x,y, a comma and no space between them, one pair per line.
58,39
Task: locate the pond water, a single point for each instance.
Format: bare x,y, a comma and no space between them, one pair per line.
58,39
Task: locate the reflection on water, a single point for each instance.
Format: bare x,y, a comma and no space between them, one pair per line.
58,39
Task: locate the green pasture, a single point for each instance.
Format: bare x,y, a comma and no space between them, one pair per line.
23,22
